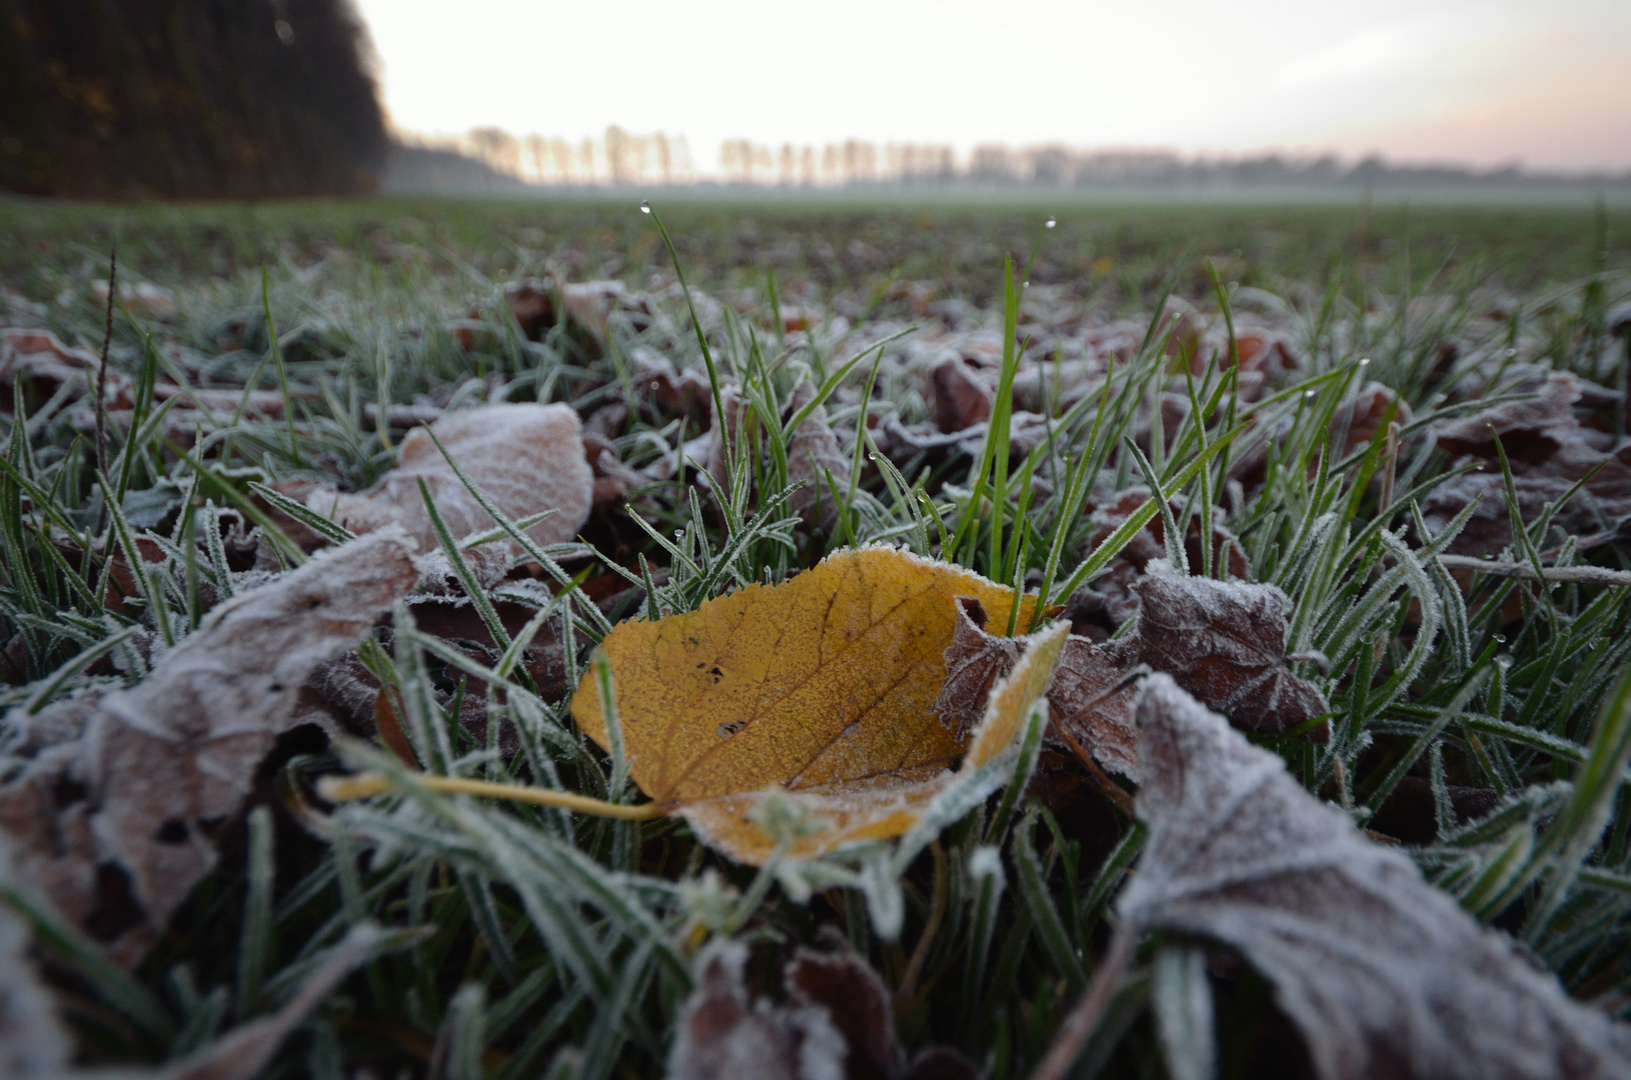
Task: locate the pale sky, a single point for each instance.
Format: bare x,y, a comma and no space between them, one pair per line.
1546,83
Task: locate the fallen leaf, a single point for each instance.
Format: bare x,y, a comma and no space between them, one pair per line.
1112,597
961,401
1083,700
35,1046
1548,451
585,308
1358,420
835,1024
526,458
1222,641
1225,643
39,358
724,1035
821,687
114,815
1385,976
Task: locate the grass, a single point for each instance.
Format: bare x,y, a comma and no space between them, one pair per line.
559,945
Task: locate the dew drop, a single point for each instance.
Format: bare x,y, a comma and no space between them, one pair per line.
1512,352
1308,393
1051,222
1504,661
1487,556
1364,361
871,456
645,207
1500,639
1025,284
679,534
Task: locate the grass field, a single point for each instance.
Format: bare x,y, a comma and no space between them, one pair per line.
1489,697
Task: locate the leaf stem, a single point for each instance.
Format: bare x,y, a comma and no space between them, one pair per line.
346,788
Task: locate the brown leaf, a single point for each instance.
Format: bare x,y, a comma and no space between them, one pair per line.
1357,422
1225,642
1222,641
114,821
836,1023
1548,450
1385,976
33,1044
526,458
1112,596
1082,699
584,307
723,1035
37,356
961,401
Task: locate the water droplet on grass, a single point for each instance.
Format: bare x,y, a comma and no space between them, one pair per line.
1051,222
1308,393
1500,639
1364,361
645,207
1504,661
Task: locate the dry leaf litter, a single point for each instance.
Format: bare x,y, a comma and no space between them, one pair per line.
1384,975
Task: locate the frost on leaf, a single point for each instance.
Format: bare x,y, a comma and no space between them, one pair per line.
1222,641
1083,699
33,1044
114,815
1385,976
1110,600
1548,450
526,458
1225,642
835,1025
822,687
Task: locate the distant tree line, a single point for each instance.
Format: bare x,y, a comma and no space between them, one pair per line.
187,98
490,159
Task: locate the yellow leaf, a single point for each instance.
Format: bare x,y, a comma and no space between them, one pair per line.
879,807
825,684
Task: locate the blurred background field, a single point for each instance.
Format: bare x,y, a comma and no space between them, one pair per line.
1120,253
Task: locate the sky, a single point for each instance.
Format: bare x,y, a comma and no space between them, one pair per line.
1494,82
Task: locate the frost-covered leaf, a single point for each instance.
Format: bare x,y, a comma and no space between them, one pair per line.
1083,699
526,458
1384,975
823,685
1222,641
33,1043
836,1024
885,803
115,814
1548,450
1225,643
